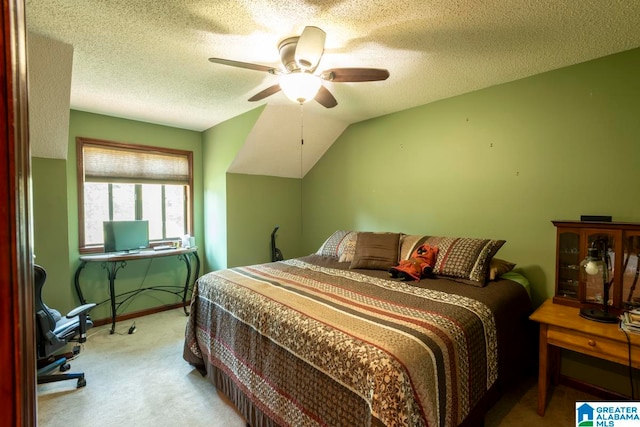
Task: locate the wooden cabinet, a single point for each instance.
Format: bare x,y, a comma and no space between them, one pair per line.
623,246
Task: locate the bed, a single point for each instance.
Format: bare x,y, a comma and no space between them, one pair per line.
331,340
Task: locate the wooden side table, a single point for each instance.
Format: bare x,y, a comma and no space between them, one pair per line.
562,327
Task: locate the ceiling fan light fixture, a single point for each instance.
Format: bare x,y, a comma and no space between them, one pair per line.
300,56
300,86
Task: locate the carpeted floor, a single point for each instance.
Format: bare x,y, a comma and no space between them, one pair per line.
141,380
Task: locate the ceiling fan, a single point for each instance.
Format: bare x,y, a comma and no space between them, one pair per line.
300,56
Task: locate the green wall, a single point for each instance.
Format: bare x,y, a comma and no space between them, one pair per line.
255,205
221,143
56,216
51,229
498,163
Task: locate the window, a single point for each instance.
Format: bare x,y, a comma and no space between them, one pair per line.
124,182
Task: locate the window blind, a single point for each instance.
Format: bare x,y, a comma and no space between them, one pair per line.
113,164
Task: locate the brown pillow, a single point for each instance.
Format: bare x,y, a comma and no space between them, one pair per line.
376,251
498,267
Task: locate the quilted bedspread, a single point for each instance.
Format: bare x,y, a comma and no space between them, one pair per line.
312,345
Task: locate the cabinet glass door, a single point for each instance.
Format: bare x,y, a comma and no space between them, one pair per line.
569,258
594,289
631,269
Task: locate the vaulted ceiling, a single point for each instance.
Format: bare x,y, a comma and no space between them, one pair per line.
148,60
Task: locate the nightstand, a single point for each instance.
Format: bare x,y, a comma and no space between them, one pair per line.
562,327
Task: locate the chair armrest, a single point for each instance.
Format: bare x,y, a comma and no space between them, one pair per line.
83,309
83,314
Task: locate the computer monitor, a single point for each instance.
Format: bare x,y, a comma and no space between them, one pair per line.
125,236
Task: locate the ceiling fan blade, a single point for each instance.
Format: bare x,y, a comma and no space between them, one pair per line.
355,74
310,48
325,98
266,92
246,65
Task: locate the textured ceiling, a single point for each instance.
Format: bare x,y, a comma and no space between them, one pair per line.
147,59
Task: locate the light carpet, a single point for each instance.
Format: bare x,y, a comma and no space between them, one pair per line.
141,380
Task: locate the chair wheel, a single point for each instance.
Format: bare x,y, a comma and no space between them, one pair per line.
81,382
65,367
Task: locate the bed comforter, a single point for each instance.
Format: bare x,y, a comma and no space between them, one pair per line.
308,342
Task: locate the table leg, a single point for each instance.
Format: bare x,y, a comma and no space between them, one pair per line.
543,372
195,254
187,261
111,272
76,282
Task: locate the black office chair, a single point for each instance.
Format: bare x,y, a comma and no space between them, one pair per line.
54,332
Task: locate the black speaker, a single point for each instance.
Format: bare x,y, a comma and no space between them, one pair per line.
596,218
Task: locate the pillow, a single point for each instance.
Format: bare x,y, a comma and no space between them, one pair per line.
376,251
409,243
334,246
498,267
465,258
348,247
462,258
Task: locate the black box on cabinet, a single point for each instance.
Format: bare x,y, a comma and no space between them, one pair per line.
596,218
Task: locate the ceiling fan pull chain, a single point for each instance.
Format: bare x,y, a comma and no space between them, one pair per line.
301,135
301,124
301,168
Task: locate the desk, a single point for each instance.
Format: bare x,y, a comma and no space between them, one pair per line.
112,262
562,327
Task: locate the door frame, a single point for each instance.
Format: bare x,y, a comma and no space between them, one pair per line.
17,320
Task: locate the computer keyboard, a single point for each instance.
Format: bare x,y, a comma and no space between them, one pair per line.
163,247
